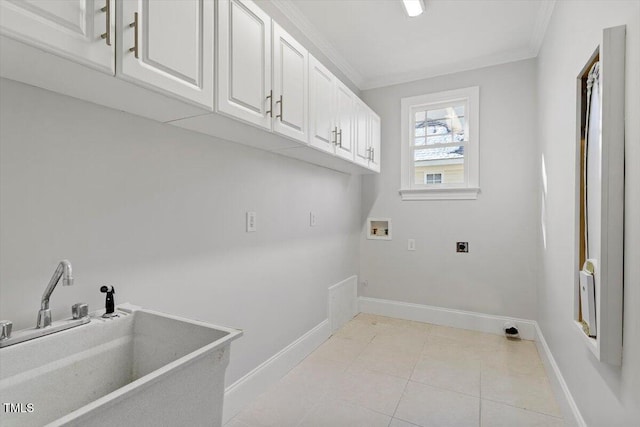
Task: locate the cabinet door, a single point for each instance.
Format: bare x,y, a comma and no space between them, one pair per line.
344,121
361,133
290,86
322,131
374,142
244,62
168,46
72,29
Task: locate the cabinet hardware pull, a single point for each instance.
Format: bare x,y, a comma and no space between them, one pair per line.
339,143
368,153
107,10
270,98
134,24
334,140
372,154
281,107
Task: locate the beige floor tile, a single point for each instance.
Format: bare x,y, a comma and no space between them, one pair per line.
388,359
360,377
515,358
532,392
372,390
457,374
361,331
338,413
315,374
446,348
395,422
480,341
499,415
402,339
428,406
339,349
281,406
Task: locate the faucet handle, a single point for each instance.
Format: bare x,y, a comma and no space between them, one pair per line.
5,329
79,310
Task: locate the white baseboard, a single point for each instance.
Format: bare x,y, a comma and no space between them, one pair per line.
569,407
248,388
446,317
343,302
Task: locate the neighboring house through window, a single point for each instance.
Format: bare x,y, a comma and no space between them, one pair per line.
440,145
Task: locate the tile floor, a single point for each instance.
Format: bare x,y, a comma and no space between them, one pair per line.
380,371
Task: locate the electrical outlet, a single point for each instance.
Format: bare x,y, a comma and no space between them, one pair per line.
251,222
411,244
313,220
462,247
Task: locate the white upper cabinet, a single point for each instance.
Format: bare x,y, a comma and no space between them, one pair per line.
332,120
321,106
80,30
374,142
344,121
212,66
168,46
366,136
244,62
361,133
290,86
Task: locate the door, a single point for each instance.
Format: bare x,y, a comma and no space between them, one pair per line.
290,86
78,30
168,46
322,129
361,133
374,143
244,62
344,121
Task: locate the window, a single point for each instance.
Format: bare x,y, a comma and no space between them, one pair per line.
440,145
432,178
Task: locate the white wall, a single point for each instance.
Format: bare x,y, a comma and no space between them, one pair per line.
498,275
159,212
605,395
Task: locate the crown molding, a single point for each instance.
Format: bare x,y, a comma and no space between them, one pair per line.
429,72
291,12
540,27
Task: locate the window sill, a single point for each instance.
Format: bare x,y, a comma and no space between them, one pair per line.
466,193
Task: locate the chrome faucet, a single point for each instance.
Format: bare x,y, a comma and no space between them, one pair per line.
63,271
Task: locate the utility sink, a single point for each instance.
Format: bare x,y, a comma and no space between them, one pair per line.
143,368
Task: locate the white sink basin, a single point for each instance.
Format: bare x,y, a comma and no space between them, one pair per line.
143,368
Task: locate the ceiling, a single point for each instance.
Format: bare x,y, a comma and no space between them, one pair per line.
375,44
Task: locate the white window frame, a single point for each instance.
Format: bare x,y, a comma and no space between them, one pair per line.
409,189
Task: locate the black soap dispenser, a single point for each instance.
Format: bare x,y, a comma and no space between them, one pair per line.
109,304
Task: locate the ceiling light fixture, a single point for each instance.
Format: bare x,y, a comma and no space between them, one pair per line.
413,7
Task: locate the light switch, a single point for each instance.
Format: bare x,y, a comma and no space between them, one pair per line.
411,244
251,222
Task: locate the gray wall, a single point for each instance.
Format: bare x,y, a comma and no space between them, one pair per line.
159,212
498,275
606,395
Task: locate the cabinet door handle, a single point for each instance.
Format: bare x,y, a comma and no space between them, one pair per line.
334,132
134,24
339,143
281,107
107,10
270,98
369,153
372,154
